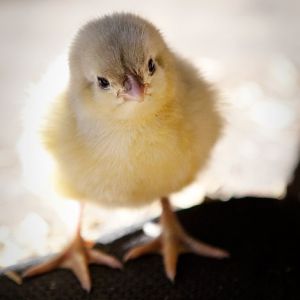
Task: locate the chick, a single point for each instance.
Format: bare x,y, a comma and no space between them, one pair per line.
135,124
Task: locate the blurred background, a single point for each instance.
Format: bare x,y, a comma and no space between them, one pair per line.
248,48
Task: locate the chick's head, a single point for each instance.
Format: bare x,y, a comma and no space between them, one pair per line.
119,67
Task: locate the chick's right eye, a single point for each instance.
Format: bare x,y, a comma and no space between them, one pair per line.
103,82
151,66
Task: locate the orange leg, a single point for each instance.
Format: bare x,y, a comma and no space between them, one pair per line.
172,242
76,257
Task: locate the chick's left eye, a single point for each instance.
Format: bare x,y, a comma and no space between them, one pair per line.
151,66
103,82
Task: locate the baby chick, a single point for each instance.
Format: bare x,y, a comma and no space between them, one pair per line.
136,123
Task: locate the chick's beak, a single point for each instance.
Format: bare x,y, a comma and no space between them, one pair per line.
134,89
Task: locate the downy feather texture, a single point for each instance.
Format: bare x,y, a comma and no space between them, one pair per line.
127,153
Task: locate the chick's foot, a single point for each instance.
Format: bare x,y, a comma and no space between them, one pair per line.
76,257
174,241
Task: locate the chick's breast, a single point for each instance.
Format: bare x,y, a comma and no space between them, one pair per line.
129,163
130,166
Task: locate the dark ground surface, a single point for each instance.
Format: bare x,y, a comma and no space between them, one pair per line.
262,235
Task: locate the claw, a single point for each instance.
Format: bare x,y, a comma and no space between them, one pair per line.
76,258
172,242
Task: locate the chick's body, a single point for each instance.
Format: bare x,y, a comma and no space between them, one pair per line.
135,123
134,161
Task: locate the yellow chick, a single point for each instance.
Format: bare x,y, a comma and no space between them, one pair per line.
136,123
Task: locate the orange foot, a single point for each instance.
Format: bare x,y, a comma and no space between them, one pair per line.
76,257
172,242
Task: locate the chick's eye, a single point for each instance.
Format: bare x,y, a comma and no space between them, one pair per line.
103,82
151,66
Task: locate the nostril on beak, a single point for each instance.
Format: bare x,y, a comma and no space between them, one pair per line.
127,84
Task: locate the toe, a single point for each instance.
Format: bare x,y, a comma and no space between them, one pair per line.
151,247
170,255
204,249
42,267
98,257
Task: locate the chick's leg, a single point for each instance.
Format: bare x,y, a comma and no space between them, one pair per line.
173,241
76,257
